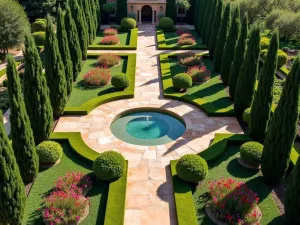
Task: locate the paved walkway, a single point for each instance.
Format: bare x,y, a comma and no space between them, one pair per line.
149,199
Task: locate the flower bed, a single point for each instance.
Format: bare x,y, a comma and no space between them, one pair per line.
108,60
188,59
186,39
110,31
183,30
199,74
110,40
96,77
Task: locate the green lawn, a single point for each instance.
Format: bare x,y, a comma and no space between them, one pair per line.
123,36
80,94
226,166
45,182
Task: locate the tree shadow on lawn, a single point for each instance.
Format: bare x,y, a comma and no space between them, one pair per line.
237,170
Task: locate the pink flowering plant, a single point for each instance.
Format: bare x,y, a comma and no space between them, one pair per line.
199,74
110,40
193,60
233,202
110,31
97,77
108,59
183,30
186,39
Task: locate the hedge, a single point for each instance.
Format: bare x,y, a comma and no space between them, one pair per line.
132,43
162,45
88,106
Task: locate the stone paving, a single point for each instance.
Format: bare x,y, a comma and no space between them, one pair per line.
149,198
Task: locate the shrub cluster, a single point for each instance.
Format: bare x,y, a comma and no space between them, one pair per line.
108,60
282,57
233,202
49,152
189,59
251,152
109,166
110,31
246,115
166,23
183,30
38,25
199,74
128,23
191,168
264,43
120,81
39,38
186,39
110,40
97,77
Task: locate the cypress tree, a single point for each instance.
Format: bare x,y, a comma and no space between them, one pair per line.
222,38
92,18
199,16
85,20
171,10
12,190
206,21
215,28
203,17
98,7
231,42
196,14
282,130
248,74
292,200
262,102
94,10
210,21
89,21
239,56
55,71
21,132
64,50
36,93
74,45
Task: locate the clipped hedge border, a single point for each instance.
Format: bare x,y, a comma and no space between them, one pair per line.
132,42
201,103
284,70
161,41
116,200
88,106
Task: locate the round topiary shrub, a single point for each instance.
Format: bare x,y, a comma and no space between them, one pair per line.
182,81
109,166
128,23
282,58
246,115
264,43
120,81
191,168
39,38
38,25
49,152
166,23
251,152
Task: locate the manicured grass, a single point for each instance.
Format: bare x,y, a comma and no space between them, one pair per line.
84,99
210,96
128,41
168,40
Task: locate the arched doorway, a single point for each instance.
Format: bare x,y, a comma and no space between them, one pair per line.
146,14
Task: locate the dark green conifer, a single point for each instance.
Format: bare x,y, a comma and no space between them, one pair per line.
55,71
85,20
222,38
90,20
21,132
210,21
239,56
206,21
12,190
94,11
215,28
248,74
282,129
36,93
203,8
74,45
263,99
231,42
196,14
63,45
98,7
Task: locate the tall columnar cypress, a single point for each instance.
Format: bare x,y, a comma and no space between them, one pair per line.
171,10
90,20
92,15
85,21
97,3
94,5
262,102
210,21
64,50
206,21
292,199
78,18
282,129
196,14
239,56
36,93
122,10
215,28
199,16
248,74
21,132
231,42
202,16
12,190
222,38
55,71
74,45
89,27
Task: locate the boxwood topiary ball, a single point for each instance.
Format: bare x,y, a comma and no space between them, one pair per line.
109,166
251,152
120,81
182,81
282,58
38,25
39,38
128,23
264,43
246,115
191,168
166,23
49,152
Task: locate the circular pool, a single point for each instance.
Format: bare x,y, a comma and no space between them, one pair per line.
147,127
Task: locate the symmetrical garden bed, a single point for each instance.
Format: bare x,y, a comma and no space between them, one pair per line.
83,99
210,96
128,41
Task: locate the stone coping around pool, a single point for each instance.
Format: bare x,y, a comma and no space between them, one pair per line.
133,33
88,106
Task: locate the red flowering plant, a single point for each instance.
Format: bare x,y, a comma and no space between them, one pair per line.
64,207
110,31
110,40
188,59
108,59
233,202
199,74
186,39
183,30
97,77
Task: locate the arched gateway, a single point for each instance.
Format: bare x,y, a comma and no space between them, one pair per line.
146,14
